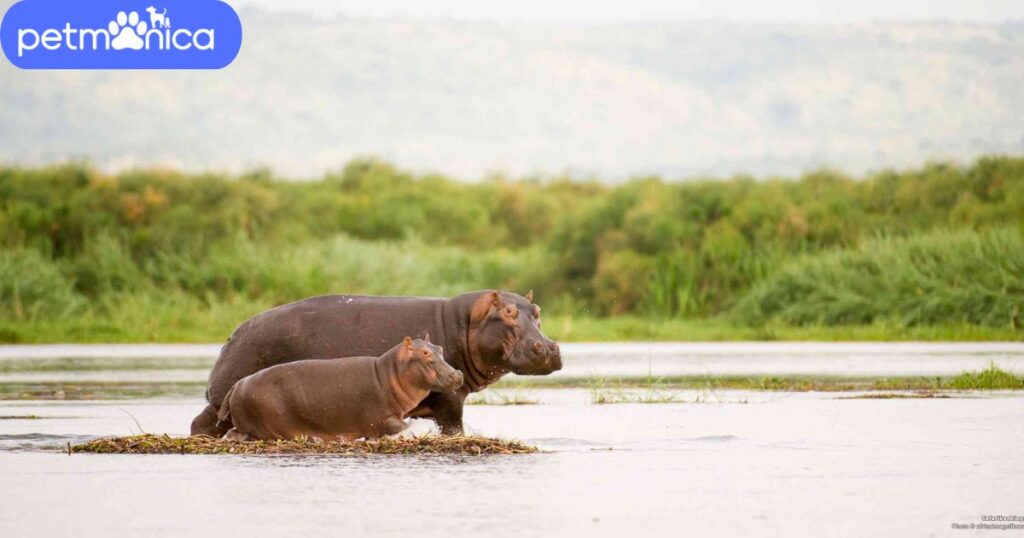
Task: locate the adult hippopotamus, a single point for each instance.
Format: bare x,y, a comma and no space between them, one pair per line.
338,399
485,335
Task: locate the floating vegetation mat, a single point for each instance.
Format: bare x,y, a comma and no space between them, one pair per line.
165,444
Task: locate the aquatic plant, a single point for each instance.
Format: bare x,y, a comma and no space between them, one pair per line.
500,397
165,444
650,391
991,378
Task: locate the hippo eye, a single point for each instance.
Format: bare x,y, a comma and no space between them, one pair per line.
509,311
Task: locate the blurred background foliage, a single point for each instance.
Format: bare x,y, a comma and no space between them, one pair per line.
938,244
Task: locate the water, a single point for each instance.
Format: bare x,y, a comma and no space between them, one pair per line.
793,464
191,362
734,463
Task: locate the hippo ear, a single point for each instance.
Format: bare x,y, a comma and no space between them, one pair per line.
529,296
484,305
426,337
406,350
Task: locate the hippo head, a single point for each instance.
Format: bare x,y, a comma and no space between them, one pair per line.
507,326
424,363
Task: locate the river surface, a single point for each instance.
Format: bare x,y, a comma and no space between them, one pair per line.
191,362
721,463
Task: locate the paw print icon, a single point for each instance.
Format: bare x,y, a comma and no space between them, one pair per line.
127,31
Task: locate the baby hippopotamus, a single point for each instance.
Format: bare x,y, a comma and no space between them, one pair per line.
338,399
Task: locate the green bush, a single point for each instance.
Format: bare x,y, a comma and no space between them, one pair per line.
646,247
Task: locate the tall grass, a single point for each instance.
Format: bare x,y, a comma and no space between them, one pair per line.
338,265
941,277
33,287
103,295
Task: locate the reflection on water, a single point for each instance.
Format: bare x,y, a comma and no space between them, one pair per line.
794,464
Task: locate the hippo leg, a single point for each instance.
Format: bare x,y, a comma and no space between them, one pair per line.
206,423
393,425
446,410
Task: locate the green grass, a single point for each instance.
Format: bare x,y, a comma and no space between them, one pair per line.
166,302
615,396
606,391
98,390
932,279
184,319
139,318
991,378
651,390
660,388
602,390
99,364
897,396
635,328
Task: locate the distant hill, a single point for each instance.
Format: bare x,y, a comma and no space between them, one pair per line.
465,98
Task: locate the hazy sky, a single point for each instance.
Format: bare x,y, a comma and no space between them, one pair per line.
684,98
589,12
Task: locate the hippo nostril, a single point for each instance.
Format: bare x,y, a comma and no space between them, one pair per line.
554,347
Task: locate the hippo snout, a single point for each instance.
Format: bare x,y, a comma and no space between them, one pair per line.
542,358
555,357
448,382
